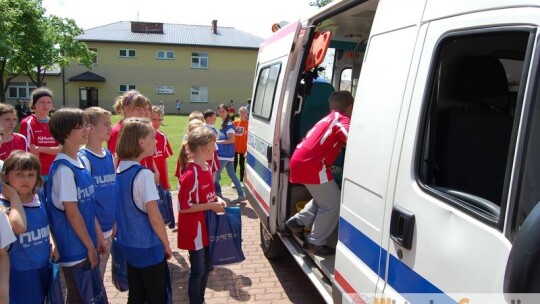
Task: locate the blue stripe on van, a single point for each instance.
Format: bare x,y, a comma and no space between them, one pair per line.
260,169
402,278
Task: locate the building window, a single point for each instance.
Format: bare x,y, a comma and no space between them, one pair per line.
266,89
165,55
20,90
127,53
199,60
199,94
95,57
126,87
164,89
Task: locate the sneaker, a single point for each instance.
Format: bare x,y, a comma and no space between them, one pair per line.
318,249
233,186
295,227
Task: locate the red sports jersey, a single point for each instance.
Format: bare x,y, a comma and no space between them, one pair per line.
197,188
18,142
37,133
163,150
212,163
311,161
111,144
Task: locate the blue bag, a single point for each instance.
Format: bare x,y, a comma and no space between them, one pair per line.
168,196
90,284
163,205
55,294
225,236
118,267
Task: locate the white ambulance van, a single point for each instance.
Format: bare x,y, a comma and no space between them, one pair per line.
440,179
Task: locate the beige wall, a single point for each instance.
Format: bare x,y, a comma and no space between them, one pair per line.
229,76
53,82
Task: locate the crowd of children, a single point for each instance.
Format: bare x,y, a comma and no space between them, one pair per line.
66,198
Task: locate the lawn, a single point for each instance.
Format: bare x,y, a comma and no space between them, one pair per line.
175,126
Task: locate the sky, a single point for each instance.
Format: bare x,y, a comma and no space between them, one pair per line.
252,16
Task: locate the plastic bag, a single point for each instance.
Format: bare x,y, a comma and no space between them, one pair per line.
90,284
163,205
55,295
225,236
118,267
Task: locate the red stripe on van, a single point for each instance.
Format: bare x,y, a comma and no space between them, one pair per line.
347,288
257,195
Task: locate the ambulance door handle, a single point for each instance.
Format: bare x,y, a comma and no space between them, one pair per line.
269,154
402,226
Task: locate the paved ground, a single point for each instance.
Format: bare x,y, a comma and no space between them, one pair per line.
256,280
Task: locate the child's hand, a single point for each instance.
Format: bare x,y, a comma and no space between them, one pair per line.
34,150
8,191
218,207
168,252
55,255
92,257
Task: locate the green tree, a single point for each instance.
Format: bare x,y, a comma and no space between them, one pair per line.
32,44
320,3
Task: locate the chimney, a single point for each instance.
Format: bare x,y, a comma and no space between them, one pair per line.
214,26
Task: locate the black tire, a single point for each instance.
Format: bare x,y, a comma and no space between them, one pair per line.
272,245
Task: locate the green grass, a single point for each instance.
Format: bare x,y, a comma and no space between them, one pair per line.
175,126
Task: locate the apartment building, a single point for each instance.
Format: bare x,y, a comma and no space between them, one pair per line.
201,66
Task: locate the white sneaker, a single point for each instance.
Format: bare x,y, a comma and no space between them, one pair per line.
233,186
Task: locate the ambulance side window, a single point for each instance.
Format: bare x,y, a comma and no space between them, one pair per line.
471,120
266,89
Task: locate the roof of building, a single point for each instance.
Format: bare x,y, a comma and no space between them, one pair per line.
174,34
87,76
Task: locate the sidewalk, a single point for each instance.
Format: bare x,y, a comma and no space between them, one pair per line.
255,280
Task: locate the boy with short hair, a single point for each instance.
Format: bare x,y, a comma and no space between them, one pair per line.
100,162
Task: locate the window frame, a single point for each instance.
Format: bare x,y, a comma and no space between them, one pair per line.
129,87
18,86
165,54
165,89
127,51
199,56
198,89
422,144
264,112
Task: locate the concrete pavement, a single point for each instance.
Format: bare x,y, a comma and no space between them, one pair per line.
255,280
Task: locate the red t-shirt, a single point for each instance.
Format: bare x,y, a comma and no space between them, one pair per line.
311,161
197,188
37,133
17,142
163,150
111,144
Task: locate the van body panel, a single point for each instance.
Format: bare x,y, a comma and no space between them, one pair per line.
442,230
438,9
397,14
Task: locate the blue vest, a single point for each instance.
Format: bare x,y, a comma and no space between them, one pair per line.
69,245
32,248
225,150
105,187
135,235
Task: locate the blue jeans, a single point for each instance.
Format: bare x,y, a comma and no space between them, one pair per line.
229,166
198,274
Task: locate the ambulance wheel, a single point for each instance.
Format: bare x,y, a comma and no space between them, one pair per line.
272,245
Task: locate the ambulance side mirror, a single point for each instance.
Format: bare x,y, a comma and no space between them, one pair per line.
523,267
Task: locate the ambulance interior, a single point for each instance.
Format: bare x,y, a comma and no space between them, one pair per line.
332,62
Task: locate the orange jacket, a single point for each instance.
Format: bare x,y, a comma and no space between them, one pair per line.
241,132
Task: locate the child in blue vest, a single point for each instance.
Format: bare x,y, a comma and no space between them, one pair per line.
141,234
99,161
71,199
29,255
